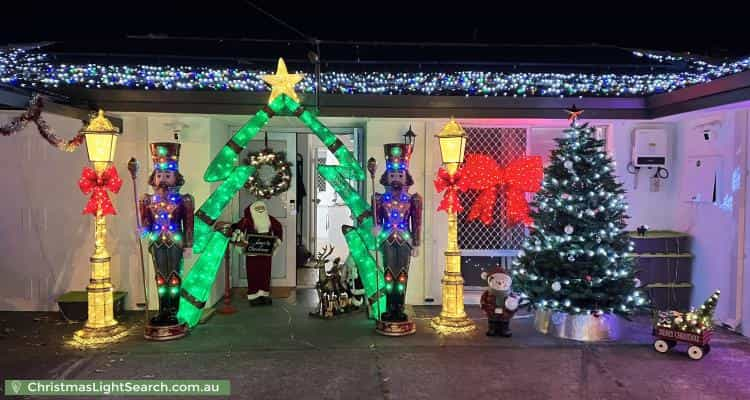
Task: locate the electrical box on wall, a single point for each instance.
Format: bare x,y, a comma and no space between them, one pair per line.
650,148
706,139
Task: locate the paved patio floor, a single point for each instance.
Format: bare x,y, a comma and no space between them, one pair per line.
279,352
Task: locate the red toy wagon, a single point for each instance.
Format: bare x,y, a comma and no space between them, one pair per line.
666,338
694,328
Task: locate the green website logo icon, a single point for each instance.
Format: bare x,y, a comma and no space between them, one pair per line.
16,386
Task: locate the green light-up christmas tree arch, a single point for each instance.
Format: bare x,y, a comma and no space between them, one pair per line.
211,243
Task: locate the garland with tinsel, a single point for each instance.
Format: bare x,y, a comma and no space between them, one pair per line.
281,180
34,114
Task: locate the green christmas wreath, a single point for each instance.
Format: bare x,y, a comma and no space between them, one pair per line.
272,173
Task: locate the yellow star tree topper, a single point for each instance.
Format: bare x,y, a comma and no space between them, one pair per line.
282,82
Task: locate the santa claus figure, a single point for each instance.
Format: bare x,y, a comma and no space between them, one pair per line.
257,221
498,302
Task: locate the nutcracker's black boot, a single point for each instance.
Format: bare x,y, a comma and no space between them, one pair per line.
161,290
174,283
505,329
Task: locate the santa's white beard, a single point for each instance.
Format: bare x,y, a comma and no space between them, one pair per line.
261,220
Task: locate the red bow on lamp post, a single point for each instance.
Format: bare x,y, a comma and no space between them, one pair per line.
481,172
98,185
445,181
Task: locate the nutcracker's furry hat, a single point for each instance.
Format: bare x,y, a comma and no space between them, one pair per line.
498,270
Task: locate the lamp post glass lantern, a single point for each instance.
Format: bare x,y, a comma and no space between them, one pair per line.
101,326
452,143
101,139
452,318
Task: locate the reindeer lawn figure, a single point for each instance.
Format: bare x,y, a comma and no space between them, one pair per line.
333,295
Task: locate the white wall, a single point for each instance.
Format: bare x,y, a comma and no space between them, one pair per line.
46,241
713,226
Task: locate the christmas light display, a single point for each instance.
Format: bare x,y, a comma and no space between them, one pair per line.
695,321
281,179
34,114
576,258
211,244
453,317
694,328
97,185
481,172
101,140
34,68
398,215
449,183
282,82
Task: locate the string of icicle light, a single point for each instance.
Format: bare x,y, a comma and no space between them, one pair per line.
34,69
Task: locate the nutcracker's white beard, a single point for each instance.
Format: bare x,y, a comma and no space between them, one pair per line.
261,220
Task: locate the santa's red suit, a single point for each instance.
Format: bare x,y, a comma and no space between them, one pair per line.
256,220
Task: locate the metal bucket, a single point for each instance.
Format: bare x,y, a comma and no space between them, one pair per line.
581,327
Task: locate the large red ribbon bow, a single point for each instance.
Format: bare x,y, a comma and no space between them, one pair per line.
98,185
481,172
445,181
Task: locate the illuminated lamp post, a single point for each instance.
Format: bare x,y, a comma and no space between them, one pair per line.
101,142
452,317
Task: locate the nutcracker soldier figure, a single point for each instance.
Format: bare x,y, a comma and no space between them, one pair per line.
167,221
399,218
498,302
257,221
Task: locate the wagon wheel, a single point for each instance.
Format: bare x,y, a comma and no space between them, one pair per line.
661,345
696,352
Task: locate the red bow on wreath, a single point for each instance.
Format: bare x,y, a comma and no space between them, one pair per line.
481,172
445,181
90,182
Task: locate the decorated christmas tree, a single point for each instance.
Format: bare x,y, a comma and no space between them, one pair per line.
576,257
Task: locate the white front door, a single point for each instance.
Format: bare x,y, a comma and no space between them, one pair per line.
281,207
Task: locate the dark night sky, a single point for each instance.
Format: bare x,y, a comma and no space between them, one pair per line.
702,31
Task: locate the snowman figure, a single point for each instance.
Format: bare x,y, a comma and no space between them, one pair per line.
498,302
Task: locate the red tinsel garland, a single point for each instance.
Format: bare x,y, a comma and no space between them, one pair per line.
481,172
34,114
98,185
